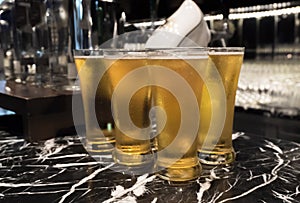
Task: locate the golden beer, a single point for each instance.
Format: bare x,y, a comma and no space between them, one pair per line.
177,160
137,85
99,123
133,147
105,73
218,149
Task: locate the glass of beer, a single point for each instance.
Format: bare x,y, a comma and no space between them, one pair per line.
177,88
129,79
217,105
99,133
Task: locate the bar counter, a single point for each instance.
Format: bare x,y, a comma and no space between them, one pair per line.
60,170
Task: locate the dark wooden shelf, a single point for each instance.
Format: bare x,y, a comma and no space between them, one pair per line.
44,111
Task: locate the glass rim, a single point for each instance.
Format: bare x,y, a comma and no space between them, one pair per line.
142,49
226,49
155,52
87,52
159,48
145,52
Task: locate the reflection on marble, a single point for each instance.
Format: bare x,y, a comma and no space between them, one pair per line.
60,170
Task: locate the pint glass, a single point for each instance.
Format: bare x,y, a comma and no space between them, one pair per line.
177,91
216,147
128,77
96,93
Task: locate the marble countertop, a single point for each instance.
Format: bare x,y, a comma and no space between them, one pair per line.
60,170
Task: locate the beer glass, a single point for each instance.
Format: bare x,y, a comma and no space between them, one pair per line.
129,79
215,146
178,81
96,93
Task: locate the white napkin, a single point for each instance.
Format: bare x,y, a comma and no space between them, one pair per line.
184,28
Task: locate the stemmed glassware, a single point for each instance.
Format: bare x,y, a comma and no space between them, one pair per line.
270,85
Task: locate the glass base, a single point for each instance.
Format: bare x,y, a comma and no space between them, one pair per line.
72,88
100,146
216,158
132,159
180,174
134,170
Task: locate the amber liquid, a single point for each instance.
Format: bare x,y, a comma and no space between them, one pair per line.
221,152
177,160
100,133
133,148
129,149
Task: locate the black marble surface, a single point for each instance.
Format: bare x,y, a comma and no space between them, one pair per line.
60,170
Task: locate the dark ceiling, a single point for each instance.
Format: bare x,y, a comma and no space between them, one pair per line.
208,6
140,9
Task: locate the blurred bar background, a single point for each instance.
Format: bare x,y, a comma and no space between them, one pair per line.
37,38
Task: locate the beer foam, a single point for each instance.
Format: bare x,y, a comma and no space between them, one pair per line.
183,56
157,57
178,57
225,53
129,57
86,57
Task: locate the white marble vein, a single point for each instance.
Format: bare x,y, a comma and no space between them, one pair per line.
203,187
11,141
283,197
266,179
154,200
50,148
237,135
217,197
75,164
261,149
51,176
137,189
84,180
271,145
206,185
15,185
46,171
63,156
